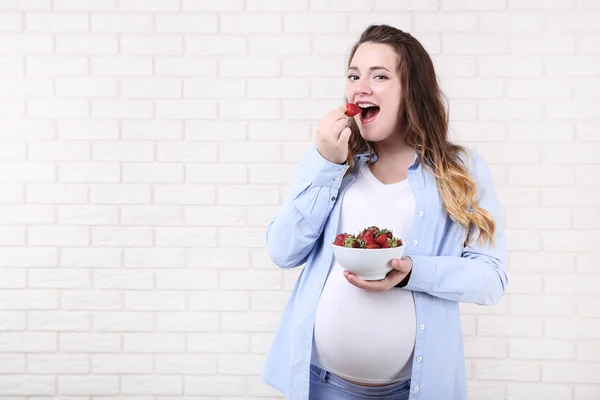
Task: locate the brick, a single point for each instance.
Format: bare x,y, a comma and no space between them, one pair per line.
27,215
88,172
274,5
254,321
151,88
26,5
269,300
586,263
247,195
12,321
58,236
542,305
26,44
549,262
58,321
188,364
91,300
587,131
218,258
314,23
121,23
358,22
250,109
61,278
151,45
28,342
538,218
152,173
151,384
28,299
541,131
473,88
521,240
539,88
454,66
573,22
485,390
250,280
26,87
250,23
215,216
541,349
56,22
182,23
509,326
13,279
205,131
570,372
121,66
221,385
11,193
23,129
280,131
545,43
57,364
120,109
123,151
152,130
84,5
588,351
482,44
541,176
578,196
572,65
472,4
86,87
87,44
27,385
119,321
267,45
12,364
314,66
446,22
588,307
573,109
525,284
151,215
511,22
249,66
569,240
120,194
587,87
121,363
12,108
155,301
209,5
129,279
188,321
476,347
507,370
154,342
511,66
240,364
12,236
185,237
215,45
186,109
186,194
538,391
148,5
214,88
219,300
88,385
266,174
11,66
122,236
28,257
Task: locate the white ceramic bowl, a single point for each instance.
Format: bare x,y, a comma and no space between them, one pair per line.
367,264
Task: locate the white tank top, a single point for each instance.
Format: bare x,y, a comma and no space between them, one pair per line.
360,335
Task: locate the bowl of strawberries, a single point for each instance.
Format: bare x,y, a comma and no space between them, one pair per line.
369,253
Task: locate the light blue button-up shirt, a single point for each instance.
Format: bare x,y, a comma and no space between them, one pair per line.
445,272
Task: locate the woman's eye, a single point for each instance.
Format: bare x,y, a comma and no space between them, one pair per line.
380,77
352,77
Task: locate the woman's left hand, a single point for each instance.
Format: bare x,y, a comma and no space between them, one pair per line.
401,268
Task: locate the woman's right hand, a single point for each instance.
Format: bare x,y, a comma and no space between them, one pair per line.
333,134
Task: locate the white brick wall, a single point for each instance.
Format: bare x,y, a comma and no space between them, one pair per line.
145,144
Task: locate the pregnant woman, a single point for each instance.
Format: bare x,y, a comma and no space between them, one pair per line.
391,165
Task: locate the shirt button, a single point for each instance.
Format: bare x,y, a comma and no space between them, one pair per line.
415,242
416,388
333,198
419,359
418,296
420,213
421,326
336,179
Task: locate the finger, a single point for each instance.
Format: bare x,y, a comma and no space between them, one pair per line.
345,136
338,126
374,286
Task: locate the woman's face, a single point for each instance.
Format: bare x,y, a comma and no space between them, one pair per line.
374,84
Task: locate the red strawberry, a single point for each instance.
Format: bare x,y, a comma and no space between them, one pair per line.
352,109
381,240
373,246
339,239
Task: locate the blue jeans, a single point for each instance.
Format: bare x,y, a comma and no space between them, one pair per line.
327,386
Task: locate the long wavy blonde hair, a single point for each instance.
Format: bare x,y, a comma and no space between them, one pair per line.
426,129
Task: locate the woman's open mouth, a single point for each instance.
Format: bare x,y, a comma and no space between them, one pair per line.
369,112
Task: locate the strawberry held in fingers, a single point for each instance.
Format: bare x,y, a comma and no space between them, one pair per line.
352,109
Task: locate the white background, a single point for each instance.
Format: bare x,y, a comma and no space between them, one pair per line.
144,146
